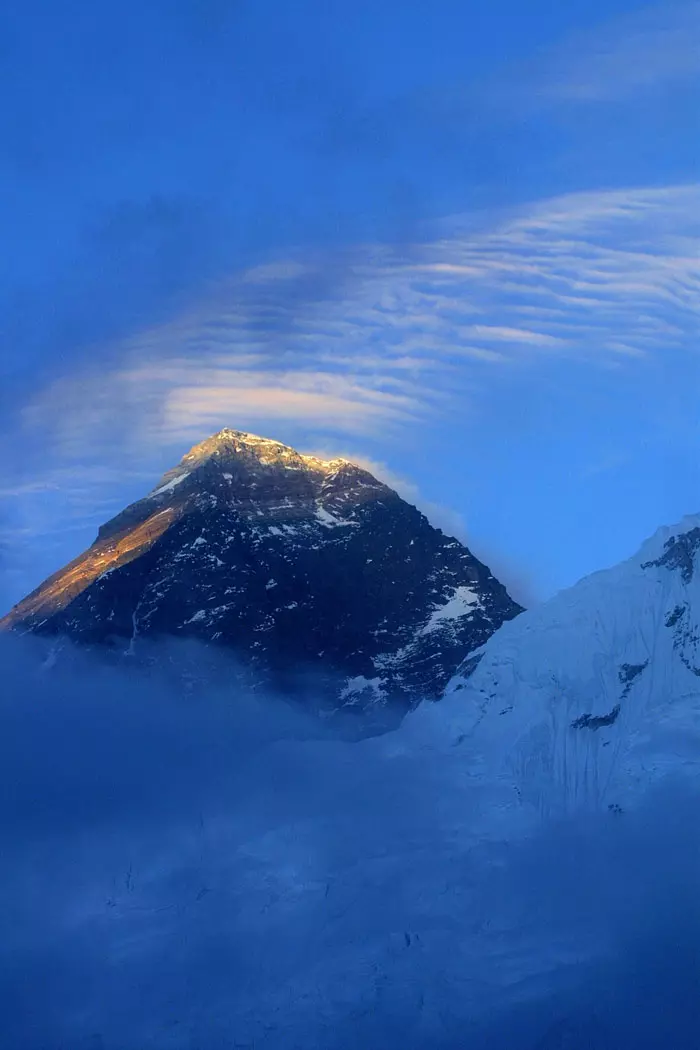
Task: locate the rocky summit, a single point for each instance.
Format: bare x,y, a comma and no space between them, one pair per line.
307,569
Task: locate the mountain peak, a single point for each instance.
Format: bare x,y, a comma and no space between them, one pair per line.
299,564
231,444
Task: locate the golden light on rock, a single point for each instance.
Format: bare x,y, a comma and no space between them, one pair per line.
109,553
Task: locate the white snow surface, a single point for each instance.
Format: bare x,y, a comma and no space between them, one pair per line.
268,451
455,607
355,687
169,485
623,647
329,520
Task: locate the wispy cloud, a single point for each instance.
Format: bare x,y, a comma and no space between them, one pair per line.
619,59
327,400
604,279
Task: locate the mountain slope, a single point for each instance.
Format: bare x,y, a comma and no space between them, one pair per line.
583,702
298,564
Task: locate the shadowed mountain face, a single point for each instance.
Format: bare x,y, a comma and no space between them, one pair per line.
299,565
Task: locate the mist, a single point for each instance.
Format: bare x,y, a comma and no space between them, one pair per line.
210,868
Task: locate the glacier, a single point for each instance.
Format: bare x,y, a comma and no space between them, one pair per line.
584,702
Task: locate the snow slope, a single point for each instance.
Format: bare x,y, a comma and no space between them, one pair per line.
585,701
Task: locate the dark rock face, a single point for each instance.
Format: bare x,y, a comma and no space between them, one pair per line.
680,554
301,566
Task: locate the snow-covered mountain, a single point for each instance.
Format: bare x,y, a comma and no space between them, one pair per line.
300,565
588,699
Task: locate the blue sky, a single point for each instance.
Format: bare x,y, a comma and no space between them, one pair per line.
456,239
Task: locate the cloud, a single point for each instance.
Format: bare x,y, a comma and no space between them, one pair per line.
626,57
500,334
138,261
621,59
589,276
160,407
608,279
211,869
338,404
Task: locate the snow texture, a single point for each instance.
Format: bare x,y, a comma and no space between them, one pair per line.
582,702
454,608
169,485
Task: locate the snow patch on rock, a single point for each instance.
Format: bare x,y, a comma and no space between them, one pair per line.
169,485
461,602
